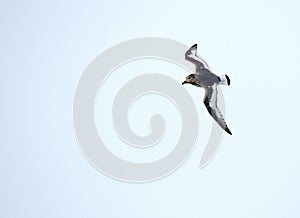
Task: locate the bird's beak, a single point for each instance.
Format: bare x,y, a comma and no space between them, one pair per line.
184,82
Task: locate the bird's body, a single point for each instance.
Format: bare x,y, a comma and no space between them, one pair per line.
209,81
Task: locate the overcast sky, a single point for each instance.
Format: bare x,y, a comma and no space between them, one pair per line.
46,46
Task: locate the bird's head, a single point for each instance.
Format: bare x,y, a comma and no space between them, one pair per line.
190,79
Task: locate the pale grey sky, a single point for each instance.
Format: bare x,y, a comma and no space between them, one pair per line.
45,47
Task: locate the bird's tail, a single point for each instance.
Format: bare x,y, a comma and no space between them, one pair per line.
224,80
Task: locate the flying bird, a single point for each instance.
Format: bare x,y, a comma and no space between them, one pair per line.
209,81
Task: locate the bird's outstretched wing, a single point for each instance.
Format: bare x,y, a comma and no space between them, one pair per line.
210,101
191,55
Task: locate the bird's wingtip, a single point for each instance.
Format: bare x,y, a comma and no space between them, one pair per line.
228,131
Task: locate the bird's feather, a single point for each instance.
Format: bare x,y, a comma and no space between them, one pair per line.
191,55
202,67
210,101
